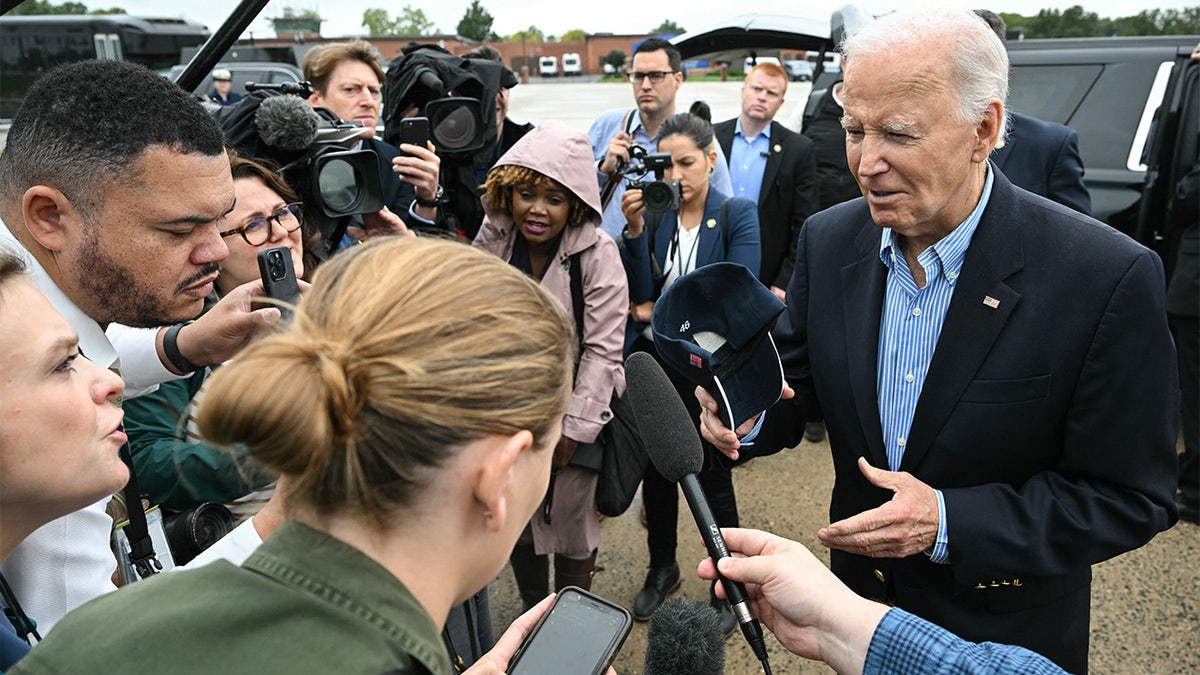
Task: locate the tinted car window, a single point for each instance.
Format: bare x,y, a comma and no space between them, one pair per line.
1051,93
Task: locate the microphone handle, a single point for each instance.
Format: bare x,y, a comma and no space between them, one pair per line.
717,549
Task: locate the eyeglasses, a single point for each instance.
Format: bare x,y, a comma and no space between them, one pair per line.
655,76
257,230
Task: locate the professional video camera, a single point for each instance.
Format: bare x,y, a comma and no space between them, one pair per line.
457,95
313,148
658,195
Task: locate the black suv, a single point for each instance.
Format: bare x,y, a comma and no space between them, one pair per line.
1108,90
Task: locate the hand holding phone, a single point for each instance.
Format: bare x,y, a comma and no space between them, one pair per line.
414,130
279,276
580,634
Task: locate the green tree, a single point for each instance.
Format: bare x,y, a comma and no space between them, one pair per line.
668,27
531,34
616,58
37,7
410,22
476,22
575,35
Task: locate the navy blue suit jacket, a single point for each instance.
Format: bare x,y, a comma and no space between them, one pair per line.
1043,157
1047,418
788,196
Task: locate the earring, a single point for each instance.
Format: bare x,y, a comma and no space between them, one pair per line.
487,514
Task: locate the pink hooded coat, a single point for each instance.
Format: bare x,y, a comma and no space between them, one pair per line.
565,155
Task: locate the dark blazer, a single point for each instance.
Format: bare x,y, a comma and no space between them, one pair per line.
1048,420
1043,157
742,235
789,195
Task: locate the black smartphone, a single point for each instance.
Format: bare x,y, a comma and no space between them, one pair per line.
580,634
279,276
414,130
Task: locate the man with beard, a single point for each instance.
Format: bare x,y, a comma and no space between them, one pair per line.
115,203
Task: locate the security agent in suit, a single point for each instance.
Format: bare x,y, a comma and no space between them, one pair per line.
774,166
988,453
1042,157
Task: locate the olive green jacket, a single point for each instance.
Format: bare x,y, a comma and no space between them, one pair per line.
304,602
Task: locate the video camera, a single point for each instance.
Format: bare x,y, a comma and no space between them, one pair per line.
457,95
313,148
659,196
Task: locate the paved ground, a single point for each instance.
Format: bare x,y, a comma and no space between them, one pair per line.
577,104
1145,604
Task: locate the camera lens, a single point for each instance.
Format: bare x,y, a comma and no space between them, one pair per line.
660,196
456,130
191,532
339,185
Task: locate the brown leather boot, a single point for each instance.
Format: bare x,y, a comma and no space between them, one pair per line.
569,572
532,572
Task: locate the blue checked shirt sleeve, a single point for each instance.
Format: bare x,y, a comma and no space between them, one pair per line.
904,643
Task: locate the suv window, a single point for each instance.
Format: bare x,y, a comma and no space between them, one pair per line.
1051,93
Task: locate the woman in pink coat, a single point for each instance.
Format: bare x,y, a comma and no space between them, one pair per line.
542,211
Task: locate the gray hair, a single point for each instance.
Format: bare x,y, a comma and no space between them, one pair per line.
979,60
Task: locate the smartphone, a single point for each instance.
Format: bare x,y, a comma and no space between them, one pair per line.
279,276
580,634
414,130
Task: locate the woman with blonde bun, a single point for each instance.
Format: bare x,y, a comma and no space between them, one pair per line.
412,410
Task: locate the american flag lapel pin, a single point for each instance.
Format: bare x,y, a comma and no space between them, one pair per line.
991,302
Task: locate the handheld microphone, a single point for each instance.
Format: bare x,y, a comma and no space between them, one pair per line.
684,638
674,448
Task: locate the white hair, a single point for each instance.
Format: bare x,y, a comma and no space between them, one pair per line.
978,58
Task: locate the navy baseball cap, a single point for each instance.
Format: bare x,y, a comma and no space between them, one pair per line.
713,326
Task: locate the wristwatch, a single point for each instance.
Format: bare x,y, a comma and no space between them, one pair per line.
438,198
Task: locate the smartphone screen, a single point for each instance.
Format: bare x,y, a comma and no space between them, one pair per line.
579,635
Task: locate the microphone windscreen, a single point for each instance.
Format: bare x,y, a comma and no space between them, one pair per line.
685,638
667,430
287,123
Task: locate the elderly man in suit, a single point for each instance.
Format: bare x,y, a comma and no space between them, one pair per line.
995,370
773,167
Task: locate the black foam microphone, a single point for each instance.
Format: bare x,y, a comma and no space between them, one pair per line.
685,638
287,122
674,448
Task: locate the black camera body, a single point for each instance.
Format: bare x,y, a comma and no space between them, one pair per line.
313,149
659,196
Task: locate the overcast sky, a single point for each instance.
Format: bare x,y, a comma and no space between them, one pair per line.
554,17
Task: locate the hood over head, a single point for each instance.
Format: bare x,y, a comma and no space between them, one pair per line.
555,150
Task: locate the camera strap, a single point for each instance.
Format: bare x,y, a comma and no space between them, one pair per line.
614,179
652,221
141,552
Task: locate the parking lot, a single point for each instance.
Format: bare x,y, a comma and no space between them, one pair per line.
577,103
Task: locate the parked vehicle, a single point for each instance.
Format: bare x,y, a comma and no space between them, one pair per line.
571,65
271,72
1107,90
31,45
548,66
798,71
750,62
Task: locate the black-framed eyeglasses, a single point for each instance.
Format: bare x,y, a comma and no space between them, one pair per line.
257,230
655,76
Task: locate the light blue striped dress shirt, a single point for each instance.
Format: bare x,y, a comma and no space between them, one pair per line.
908,334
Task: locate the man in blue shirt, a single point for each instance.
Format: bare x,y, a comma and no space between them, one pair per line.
656,76
772,166
994,369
